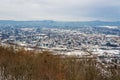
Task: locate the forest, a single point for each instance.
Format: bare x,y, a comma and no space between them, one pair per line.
19,64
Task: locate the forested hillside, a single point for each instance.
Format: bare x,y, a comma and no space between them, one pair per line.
31,65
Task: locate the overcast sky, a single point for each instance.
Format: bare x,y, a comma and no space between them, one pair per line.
62,10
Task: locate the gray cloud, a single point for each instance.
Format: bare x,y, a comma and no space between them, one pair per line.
60,9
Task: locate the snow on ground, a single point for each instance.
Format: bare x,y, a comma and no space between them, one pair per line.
110,27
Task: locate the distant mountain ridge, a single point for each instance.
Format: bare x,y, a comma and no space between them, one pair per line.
51,23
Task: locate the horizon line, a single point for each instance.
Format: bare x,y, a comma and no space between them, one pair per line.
59,20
